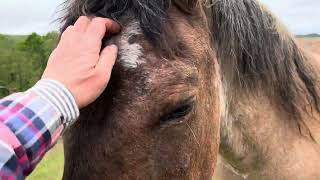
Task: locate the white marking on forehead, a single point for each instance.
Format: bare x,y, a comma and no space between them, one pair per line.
131,55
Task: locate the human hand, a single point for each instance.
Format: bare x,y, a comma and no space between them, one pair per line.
77,62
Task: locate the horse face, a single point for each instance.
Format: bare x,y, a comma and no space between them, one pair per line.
159,117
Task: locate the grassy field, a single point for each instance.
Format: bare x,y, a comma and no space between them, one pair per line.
51,167
312,44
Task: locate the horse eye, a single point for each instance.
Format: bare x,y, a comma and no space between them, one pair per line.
178,112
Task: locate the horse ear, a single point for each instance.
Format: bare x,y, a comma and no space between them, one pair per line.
186,6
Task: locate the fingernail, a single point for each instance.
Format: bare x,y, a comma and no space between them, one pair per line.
115,27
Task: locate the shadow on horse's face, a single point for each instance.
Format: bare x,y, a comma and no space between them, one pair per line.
159,117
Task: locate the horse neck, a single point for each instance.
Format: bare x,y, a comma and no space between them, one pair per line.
312,119
261,139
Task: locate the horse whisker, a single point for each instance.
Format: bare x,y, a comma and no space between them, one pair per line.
194,135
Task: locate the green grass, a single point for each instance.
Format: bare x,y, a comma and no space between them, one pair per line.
51,167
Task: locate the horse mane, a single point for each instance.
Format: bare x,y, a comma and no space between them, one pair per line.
260,52
151,15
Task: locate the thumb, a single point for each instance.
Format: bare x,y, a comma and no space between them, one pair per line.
107,59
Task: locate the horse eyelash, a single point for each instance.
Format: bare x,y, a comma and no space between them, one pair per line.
181,110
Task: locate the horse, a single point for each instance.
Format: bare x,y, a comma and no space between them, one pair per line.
271,129
192,74
160,115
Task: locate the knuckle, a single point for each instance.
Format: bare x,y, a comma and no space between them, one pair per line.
91,40
67,31
71,33
83,17
97,73
100,76
99,22
69,28
98,19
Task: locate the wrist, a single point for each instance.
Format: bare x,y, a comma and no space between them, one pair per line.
59,97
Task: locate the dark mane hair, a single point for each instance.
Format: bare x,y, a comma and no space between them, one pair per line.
260,52
151,14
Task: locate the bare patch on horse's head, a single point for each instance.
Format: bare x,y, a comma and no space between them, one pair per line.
130,51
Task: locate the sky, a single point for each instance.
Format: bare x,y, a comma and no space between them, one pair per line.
27,16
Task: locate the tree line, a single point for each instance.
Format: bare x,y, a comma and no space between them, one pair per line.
23,60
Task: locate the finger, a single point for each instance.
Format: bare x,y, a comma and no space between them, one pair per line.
112,26
82,24
66,32
107,59
99,26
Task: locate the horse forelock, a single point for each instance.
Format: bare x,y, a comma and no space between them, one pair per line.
148,12
151,15
256,51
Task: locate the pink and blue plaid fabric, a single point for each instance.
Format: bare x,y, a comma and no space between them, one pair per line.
30,124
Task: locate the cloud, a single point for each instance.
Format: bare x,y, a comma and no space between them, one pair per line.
26,16
301,16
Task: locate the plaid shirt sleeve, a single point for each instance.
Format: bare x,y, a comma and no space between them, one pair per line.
30,124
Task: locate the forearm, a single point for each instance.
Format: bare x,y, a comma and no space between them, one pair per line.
30,124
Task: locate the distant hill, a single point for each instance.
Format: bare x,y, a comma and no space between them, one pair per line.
16,38
10,41
309,35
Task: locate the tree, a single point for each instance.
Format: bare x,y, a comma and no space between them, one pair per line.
50,42
34,47
23,59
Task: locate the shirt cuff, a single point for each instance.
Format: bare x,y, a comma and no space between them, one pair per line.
60,97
